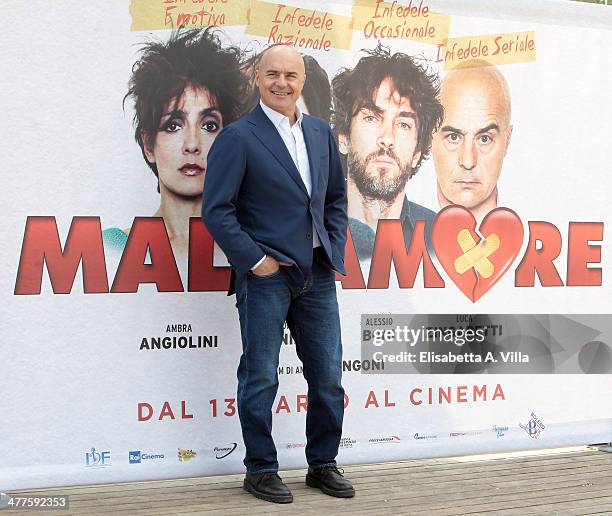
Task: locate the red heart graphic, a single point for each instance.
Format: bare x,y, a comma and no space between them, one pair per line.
503,233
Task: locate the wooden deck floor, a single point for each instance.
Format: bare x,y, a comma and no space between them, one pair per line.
564,482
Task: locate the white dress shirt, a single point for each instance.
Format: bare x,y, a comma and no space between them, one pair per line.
293,138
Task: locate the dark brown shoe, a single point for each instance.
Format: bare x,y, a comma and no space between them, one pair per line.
331,481
267,486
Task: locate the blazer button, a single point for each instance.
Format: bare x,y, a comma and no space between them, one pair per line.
308,235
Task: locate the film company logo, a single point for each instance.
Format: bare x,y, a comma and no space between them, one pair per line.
391,439
136,457
185,455
534,427
423,437
295,445
347,442
469,432
96,459
224,451
499,431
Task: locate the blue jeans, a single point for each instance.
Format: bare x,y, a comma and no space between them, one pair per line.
264,303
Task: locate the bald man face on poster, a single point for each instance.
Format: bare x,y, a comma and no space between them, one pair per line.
469,149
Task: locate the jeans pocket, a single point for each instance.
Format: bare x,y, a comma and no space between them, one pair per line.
267,276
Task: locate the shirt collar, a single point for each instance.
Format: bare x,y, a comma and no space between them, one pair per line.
407,213
277,118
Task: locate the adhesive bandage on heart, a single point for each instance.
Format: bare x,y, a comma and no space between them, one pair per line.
476,255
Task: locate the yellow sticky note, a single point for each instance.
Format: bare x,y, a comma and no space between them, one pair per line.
410,20
299,27
172,14
495,49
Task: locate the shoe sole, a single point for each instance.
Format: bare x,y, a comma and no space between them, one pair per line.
268,498
313,482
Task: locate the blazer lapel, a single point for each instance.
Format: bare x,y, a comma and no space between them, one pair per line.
266,133
310,137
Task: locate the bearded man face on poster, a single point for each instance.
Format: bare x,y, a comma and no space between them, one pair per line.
385,111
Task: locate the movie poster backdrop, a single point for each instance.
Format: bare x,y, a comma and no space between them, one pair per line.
476,306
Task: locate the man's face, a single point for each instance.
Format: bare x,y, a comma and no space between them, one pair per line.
469,149
280,78
382,144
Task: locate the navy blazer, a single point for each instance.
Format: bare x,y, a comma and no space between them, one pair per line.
255,202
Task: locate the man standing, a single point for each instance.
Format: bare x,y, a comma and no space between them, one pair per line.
275,201
386,110
469,149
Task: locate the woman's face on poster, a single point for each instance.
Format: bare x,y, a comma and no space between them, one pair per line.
180,146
